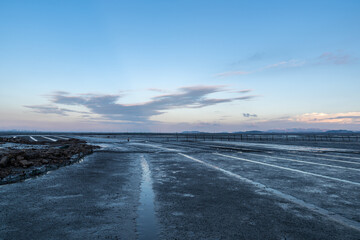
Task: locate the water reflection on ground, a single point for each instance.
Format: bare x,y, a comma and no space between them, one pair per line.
146,222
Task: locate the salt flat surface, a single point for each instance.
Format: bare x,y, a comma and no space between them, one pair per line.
189,190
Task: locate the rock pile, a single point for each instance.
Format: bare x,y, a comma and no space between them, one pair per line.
62,152
15,140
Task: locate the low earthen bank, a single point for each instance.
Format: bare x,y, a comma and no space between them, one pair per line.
21,159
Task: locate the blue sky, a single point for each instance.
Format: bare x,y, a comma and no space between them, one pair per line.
179,65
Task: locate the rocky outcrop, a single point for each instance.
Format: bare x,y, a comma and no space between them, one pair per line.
37,160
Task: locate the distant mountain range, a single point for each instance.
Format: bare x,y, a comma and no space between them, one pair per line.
291,130
341,131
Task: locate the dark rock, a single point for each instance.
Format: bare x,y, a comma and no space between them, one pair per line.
50,151
31,154
13,161
4,161
26,163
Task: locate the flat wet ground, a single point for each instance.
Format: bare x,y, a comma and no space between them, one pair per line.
190,190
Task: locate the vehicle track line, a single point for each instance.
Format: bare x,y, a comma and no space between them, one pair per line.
330,215
294,160
290,169
32,138
319,155
323,158
339,156
51,139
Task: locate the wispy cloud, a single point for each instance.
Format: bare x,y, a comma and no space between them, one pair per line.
232,73
108,107
243,91
285,64
251,58
51,109
256,56
248,115
336,58
329,58
282,64
342,118
157,90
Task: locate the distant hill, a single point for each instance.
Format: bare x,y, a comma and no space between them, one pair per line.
191,132
296,130
339,131
251,132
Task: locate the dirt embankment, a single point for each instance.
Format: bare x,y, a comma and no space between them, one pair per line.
23,159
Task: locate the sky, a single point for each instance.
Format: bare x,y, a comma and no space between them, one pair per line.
172,66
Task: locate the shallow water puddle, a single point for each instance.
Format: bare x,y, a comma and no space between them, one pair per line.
146,222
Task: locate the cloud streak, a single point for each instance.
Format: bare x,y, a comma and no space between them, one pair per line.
326,58
336,58
51,109
232,73
248,115
243,91
109,108
284,64
340,118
